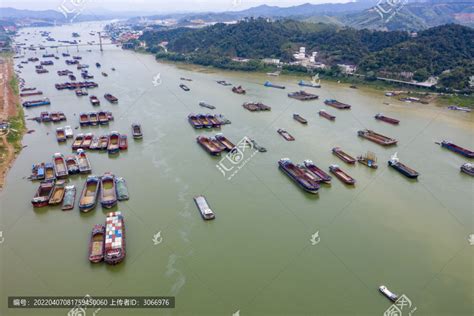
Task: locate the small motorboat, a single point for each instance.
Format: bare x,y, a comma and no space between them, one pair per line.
468,168
114,146
207,105
287,136
72,165
43,194
343,156
341,175
83,161
78,141
89,194
49,173
300,119
60,168
69,198
137,131
97,243
391,296
60,135
203,207
105,74
57,195
184,87
108,194
121,188
123,142
68,131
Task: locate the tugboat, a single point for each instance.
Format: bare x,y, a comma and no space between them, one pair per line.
96,244
395,163
204,209
457,149
468,168
369,159
391,296
298,175
114,250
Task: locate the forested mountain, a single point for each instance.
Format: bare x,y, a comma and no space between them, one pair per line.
434,51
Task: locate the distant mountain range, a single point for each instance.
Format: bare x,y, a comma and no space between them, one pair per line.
415,15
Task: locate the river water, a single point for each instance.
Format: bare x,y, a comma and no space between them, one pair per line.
273,249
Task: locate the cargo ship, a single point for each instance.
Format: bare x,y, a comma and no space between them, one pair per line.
303,83
341,175
94,100
203,207
96,244
298,176
272,85
287,136
256,106
43,194
377,138
369,159
387,119
303,96
29,94
336,104
28,104
326,115
110,98
457,149
208,145
343,156
323,176
300,119
60,167
395,163
239,90
114,250
89,195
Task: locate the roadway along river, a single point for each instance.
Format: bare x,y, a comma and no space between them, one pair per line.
257,256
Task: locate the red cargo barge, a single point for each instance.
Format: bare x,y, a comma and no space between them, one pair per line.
387,119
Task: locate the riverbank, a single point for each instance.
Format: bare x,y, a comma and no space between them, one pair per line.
12,113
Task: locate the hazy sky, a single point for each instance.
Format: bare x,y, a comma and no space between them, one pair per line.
157,5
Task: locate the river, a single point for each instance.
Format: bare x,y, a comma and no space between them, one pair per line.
272,249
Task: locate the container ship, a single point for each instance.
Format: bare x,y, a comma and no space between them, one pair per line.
298,176
387,119
395,163
457,149
336,104
114,249
377,138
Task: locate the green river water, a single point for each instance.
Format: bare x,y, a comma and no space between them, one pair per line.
256,257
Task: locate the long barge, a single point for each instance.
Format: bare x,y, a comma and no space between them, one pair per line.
256,106
457,149
303,83
76,85
272,85
377,138
303,96
28,94
298,176
326,115
343,156
28,104
386,119
323,176
209,145
341,175
336,104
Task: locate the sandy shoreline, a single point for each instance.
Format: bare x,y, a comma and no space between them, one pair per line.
8,102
